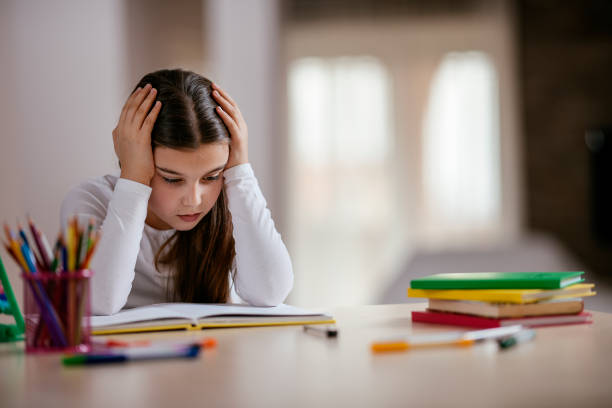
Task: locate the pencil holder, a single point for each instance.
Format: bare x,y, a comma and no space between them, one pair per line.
57,311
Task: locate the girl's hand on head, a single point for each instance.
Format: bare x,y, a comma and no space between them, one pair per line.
229,112
132,136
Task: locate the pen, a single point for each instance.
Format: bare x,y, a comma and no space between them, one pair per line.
520,337
458,338
132,355
206,342
325,330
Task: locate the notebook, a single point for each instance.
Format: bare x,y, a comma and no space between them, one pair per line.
498,280
504,310
195,316
505,295
455,319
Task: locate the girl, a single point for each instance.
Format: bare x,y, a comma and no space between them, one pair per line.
186,220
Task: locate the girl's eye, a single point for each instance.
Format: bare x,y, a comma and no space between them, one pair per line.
171,181
212,178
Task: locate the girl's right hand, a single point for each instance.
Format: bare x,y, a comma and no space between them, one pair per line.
132,136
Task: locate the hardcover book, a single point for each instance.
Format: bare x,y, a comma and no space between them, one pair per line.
505,295
498,280
192,316
455,319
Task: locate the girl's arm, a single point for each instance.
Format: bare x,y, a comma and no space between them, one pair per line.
120,214
264,276
122,217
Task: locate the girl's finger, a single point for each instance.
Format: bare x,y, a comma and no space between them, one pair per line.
225,95
228,120
149,121
136,101
225,104
144,108
127,104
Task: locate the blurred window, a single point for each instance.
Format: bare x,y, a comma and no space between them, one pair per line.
341,192
461,159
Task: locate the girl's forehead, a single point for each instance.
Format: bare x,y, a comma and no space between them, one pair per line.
205,158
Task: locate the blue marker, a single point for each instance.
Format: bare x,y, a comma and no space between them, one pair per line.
154,353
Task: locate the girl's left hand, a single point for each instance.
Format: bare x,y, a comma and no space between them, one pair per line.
229,112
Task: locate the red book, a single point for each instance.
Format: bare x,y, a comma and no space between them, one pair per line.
457,319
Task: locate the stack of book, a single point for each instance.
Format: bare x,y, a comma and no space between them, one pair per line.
498,299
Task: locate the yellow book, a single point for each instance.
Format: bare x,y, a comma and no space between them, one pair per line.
195,316
505,295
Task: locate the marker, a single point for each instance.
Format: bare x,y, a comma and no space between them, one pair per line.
133,355
321,330
404,345
206,342
520,337
458,338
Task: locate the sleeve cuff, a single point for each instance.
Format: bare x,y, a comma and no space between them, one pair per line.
237,172
133,187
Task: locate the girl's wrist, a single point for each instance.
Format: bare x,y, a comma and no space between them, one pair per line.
139,178
237,157
234,163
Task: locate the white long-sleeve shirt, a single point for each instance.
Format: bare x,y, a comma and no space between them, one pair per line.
124,273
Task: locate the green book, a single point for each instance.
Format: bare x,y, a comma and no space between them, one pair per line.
498,280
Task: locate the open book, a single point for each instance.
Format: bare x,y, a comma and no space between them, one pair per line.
196,316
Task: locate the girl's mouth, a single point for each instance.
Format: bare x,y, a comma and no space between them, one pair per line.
189,217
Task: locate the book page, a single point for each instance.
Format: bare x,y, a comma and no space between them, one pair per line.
193,311
138,314
198,310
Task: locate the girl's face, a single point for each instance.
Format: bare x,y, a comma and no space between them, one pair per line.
186,185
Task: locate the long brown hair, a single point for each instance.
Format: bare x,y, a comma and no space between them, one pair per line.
201,258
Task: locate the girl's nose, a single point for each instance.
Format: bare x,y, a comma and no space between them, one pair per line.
193,197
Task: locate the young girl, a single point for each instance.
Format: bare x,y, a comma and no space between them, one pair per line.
186,220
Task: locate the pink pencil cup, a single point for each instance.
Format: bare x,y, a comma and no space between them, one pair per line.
57,311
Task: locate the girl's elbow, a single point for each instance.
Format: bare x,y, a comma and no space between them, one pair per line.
279,292
106,307
274,294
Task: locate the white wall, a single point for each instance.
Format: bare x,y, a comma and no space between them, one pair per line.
243,56
67,66
62,79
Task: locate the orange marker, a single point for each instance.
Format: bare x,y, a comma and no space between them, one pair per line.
404,346
460,338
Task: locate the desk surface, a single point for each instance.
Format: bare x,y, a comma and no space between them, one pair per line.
283,366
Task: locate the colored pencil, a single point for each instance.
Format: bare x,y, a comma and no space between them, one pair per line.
46,307
62,303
